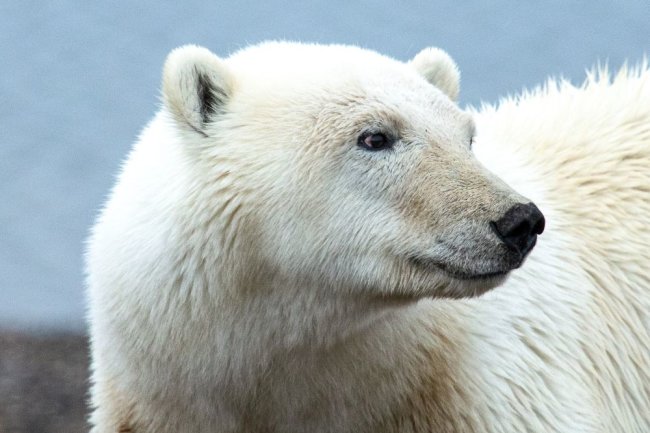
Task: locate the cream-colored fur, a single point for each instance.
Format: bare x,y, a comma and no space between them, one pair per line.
252,270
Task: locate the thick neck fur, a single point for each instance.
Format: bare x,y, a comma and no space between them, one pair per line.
310,363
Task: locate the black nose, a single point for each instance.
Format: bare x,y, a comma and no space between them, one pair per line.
519,227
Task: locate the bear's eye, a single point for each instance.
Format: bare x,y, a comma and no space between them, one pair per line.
471,142
376,141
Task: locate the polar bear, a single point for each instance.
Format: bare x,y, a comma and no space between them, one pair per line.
296,243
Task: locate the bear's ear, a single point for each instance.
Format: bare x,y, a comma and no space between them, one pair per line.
196,86
439,69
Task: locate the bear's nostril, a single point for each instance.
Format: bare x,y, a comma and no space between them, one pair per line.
519,227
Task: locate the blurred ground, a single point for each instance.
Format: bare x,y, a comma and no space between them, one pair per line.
43,383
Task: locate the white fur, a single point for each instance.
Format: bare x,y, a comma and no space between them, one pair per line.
439,69
181,68
209,311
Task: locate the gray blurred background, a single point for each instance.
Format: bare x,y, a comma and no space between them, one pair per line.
79,79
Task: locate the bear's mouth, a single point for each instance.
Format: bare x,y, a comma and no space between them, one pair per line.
431,264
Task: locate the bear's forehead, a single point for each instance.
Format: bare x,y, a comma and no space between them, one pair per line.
291,56
309,68
342,81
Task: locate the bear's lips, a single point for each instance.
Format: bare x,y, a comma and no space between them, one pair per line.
481,276
432,264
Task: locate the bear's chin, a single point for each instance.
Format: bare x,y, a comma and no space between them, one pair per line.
449,288
476,285
455,283
455,288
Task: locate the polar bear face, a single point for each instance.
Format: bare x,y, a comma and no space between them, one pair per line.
346,169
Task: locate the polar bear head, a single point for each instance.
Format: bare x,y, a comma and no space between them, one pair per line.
337,167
